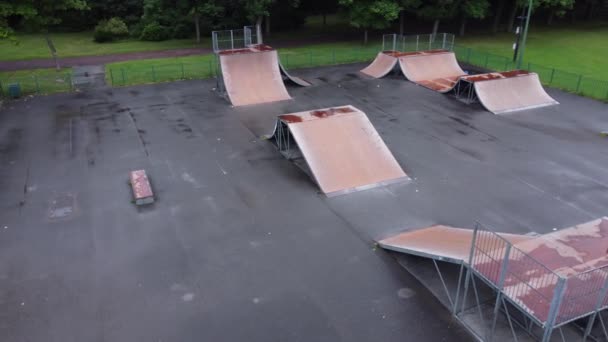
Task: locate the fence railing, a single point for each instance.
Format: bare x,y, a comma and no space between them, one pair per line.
38,85
206,68
552,77
418,42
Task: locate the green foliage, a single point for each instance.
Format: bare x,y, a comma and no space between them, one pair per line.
377,14
155,32
110,30
477,9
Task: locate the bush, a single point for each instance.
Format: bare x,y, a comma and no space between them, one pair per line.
183,30
155,32
112,29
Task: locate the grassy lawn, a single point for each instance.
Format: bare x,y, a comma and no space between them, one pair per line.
579,49
33,46
37,81
190,67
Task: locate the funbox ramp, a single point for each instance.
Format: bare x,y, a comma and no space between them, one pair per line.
252,76
341,149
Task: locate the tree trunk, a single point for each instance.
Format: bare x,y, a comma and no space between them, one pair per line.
512,16
435,27
463,25
498,16
588,10
197,27
258,29
324,19
365,36
550,17
402,22
268,25
51,46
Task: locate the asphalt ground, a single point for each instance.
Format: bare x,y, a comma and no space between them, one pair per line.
240,245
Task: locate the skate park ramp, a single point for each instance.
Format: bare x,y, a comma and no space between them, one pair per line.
439,242
252,76
510,91
339,148
437,70
382,65
293,79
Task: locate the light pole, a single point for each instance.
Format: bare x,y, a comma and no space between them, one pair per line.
520,60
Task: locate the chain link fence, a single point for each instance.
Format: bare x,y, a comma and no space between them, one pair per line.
551,77
36,85
207,67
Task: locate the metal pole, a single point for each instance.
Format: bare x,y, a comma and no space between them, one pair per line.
525,37
232,39
556,302
37,84
552,74
394,41
417,39
443,44
182,67
578,84
111,76
122,71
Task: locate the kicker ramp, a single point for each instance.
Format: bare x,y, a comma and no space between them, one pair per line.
510,91
440,242
252,76
437,70
340,148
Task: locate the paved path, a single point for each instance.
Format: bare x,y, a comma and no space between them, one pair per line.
96,60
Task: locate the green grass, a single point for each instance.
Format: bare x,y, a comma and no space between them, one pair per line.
32,46
191,67
580,49
37,81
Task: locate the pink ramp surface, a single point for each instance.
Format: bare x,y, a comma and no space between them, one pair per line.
509,94
578,254
438,71
343,150
439,242
382,65
252,76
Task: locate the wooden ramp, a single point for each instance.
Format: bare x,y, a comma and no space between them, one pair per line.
340,147
252,75
439,242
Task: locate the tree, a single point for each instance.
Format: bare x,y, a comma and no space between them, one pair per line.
472,9
371,14
211,10
437,10
556,8
38,13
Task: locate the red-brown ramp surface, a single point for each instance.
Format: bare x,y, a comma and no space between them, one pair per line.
440,242
343,150
436,71
253,77
511,94
381,65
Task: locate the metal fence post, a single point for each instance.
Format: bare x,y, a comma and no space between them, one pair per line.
111,77
122,71
443,44
529,66
552,74
69,78
556,302
486,63
417,40
37,84
333,56
430,41
153,74
182,67
311,58
578,84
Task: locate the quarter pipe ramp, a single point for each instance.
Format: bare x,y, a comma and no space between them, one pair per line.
438,71
293,79
339,148
252,76
509,91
